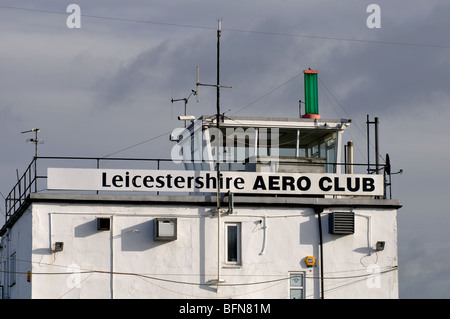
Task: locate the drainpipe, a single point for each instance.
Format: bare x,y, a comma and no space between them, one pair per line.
318,211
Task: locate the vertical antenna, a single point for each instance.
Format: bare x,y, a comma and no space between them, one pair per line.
219,29
35,140
377,153
368,144
217,86
198,84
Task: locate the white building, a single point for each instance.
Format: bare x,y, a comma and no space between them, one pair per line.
295,220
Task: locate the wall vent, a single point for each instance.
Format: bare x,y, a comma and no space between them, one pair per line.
341,223
165,229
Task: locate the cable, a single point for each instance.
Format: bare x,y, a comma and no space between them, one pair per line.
140,143
340,39
266,94
354,123
110,18
235,30
239,110
388,269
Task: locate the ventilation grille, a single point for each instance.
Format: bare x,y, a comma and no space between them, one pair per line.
341,223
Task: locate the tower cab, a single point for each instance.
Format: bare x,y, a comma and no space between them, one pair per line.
284,145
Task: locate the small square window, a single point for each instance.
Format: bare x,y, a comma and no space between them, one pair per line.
103,223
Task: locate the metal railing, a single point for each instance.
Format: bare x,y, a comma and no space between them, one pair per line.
32,181
26,185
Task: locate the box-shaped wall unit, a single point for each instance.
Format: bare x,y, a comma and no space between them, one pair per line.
165,229
341,223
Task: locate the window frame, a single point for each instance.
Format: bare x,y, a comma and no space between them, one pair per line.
12,269
300,287
238,261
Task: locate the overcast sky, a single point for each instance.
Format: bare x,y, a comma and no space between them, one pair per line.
105,88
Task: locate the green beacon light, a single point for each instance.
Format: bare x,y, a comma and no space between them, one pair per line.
311,95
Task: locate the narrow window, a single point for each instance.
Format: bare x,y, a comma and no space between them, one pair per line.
12,270
233,241
297,286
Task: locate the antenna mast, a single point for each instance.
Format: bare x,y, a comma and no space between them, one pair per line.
218,86
35,140
219,30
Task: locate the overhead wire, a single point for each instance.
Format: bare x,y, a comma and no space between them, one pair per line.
266,94
138,144
387,269
347,114
353,123
157,277
232,29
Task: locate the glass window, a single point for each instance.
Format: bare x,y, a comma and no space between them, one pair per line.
296,280
233,242
331,153
297,286
12,270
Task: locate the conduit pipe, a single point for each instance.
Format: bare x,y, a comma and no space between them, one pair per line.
318,211
265,235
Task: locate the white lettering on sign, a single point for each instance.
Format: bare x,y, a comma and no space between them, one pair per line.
207,182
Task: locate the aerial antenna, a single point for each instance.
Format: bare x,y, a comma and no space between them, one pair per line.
198,84
217,86
34,140
185,105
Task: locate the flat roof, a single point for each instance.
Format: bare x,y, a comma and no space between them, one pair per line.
278,122
210,200
279,119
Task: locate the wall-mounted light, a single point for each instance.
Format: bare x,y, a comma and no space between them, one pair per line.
186,118
380,245
59,246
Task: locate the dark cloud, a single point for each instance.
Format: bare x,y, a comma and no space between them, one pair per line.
106,87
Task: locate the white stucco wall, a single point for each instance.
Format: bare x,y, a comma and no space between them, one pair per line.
131,264
355,268
17,244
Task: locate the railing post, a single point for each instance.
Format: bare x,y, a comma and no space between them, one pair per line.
98,166
35,172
